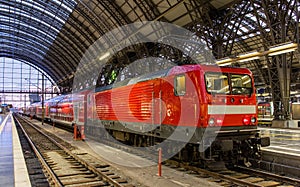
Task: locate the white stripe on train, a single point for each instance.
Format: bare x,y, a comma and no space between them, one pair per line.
231,109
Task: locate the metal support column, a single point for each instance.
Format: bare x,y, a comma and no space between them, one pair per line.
43,108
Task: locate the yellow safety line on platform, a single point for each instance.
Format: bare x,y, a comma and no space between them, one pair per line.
20,168
3,124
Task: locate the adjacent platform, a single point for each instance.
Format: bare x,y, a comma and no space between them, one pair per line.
283,140
13,170
283,155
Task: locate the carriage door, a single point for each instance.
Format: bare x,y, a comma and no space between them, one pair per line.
76,112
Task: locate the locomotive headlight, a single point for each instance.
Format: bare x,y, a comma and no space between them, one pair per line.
246,121
211,121
253,119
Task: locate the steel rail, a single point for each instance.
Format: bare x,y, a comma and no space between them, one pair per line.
53,177
87,165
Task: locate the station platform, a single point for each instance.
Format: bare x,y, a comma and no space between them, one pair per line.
13,170
283,154
283,140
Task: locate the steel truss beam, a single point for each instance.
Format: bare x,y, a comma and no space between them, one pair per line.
279,23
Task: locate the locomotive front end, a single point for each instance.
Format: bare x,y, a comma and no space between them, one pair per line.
230,122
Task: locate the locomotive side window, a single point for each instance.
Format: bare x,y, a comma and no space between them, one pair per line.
216,83
241,84
180,87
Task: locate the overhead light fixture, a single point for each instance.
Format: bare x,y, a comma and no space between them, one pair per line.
224,60
225,64
254,55
249,54
249,59
283,46
70,76
282,51
294,92
104,56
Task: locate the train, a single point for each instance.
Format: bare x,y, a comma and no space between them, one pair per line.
210,110
56,110
4,108
266,114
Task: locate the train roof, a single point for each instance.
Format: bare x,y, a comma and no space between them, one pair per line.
150,76
206,68
173,71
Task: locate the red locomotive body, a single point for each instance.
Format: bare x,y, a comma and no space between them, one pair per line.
195,100
183,96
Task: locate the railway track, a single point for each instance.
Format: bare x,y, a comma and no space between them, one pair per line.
271,176
65,168
35,170
239,176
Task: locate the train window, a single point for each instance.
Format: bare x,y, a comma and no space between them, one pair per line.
241,84
180,87
217,83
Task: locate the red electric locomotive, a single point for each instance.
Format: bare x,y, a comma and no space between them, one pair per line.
212,109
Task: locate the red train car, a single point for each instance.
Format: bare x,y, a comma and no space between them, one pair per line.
265,113
31,110
60,110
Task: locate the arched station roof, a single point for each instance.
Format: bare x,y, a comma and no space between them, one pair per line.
54,34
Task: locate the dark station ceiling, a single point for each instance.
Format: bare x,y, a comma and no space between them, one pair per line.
54,34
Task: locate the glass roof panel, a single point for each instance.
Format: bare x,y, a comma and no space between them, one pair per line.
17,77
43,19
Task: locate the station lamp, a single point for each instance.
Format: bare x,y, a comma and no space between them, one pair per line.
104,56
282,48
254,55
249,55
224,61
249,59
282,51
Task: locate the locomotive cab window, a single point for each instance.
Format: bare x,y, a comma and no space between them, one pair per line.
180,86
217,83
226,83
241,84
